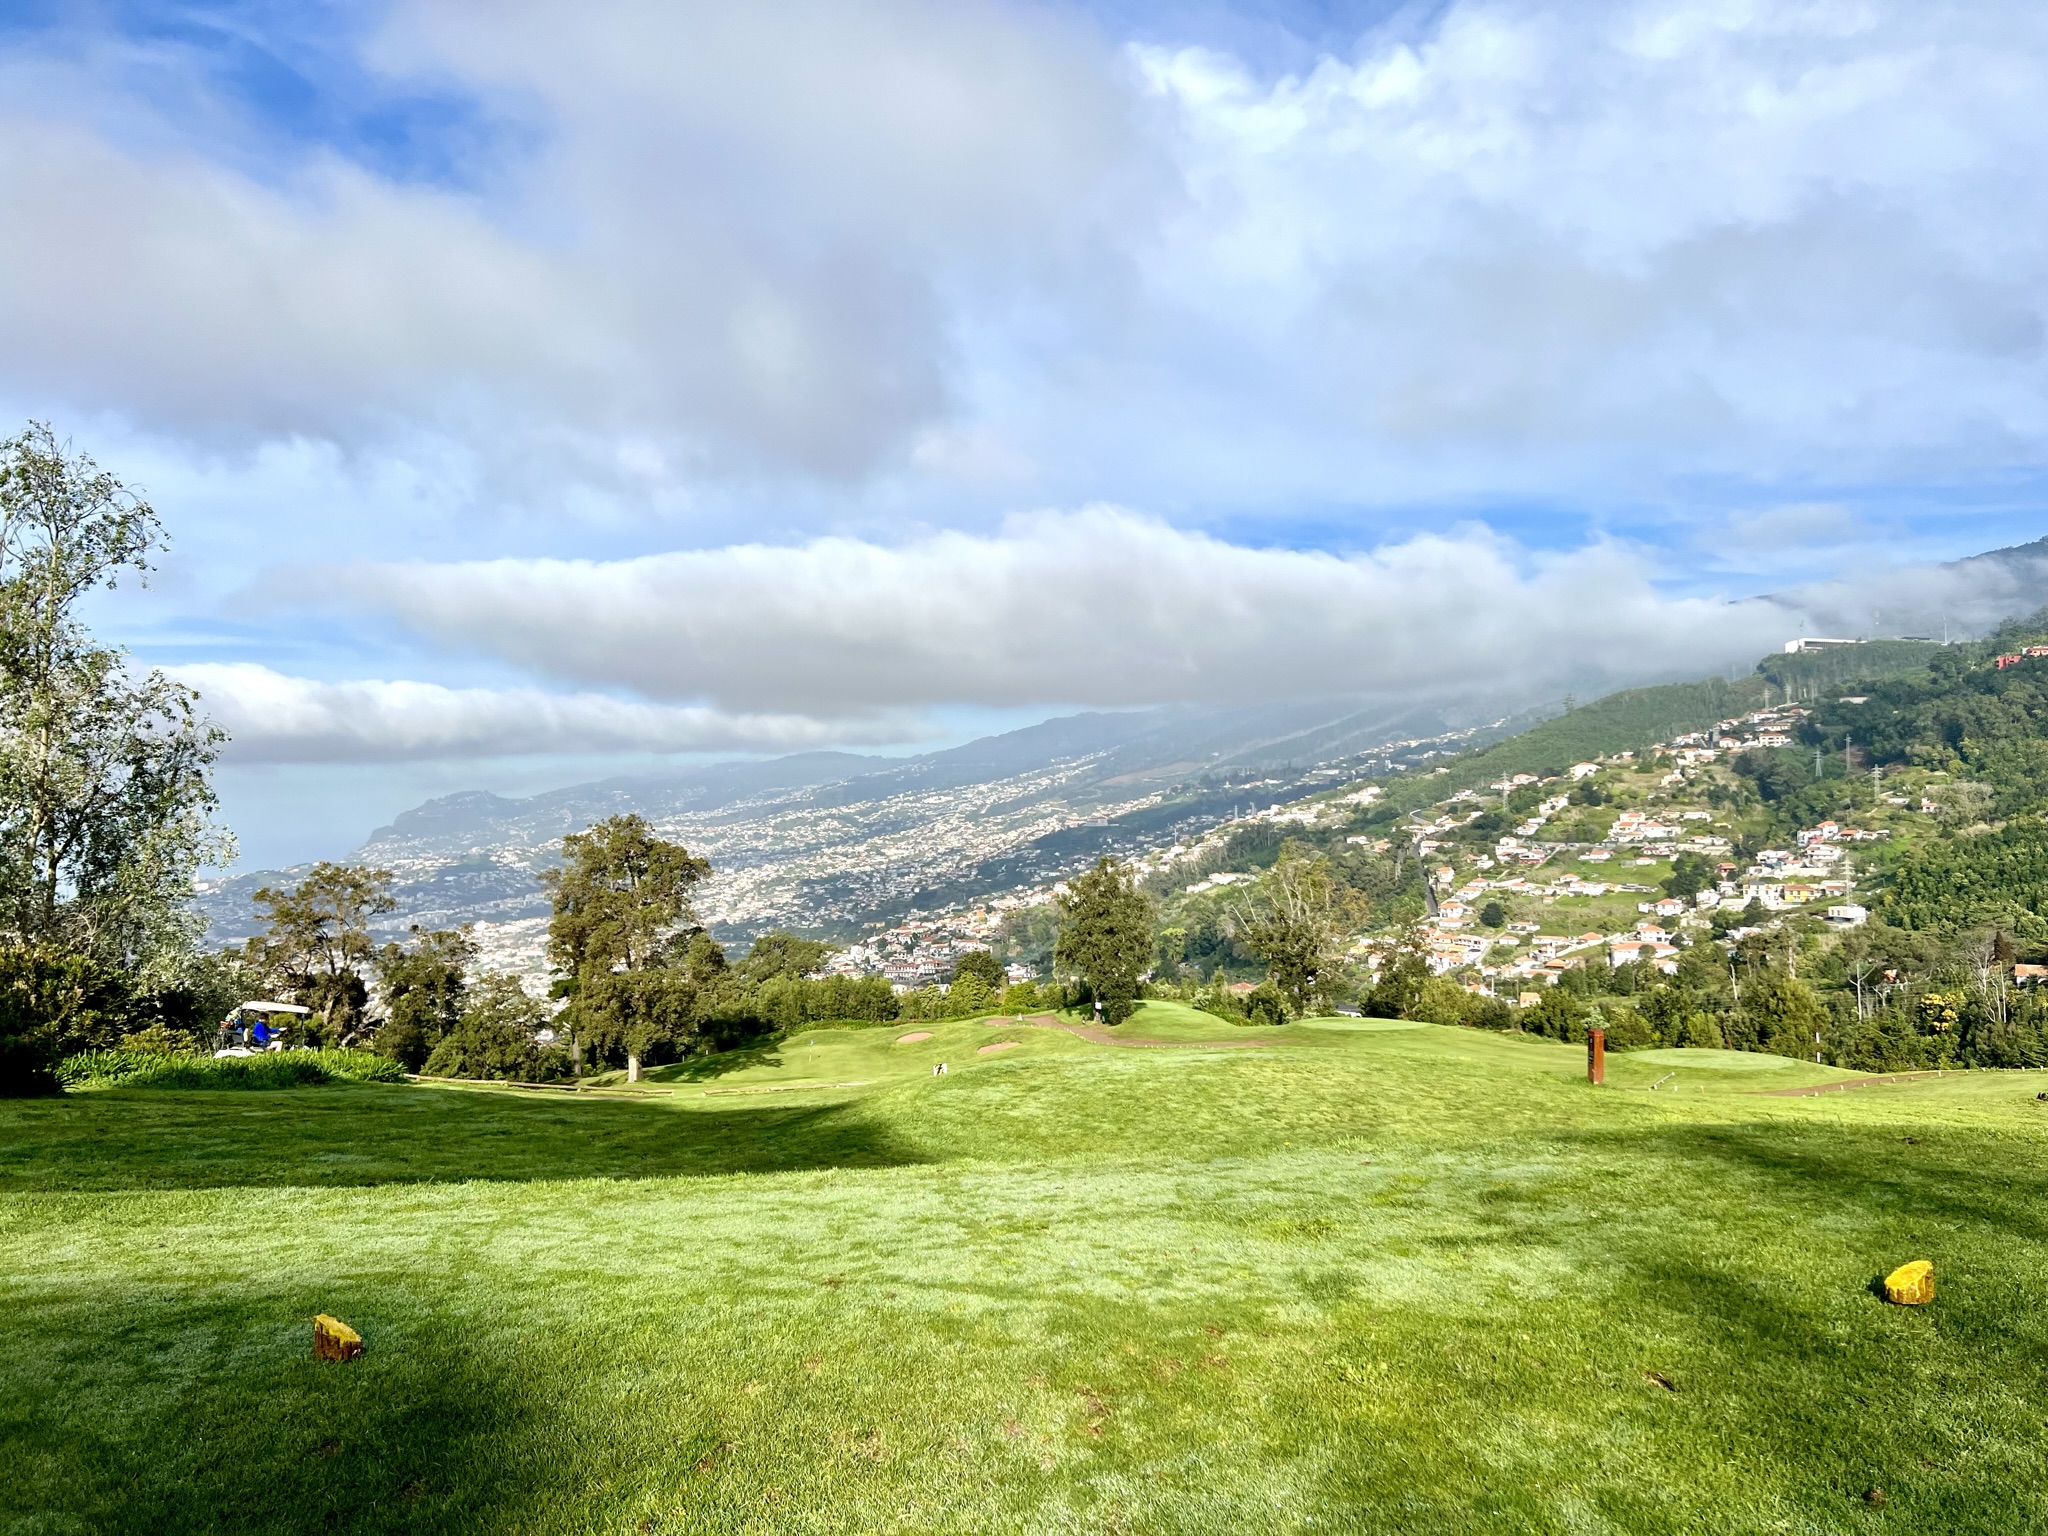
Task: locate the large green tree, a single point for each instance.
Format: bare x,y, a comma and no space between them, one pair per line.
1297,918
106,801
622,932
1105,938
318,942
423,984
105,796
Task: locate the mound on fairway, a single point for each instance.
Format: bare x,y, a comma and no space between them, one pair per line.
1364,1279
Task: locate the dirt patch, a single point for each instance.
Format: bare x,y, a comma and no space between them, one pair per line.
913,1037
1000,1045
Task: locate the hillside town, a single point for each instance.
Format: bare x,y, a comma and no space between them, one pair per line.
1561,893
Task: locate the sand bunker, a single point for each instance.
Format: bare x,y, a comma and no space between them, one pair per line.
913,1037
1000,1045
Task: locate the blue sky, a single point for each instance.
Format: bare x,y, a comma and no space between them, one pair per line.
534,392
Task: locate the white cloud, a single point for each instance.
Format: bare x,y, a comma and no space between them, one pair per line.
275,718
1098,607
1511,247
725,235
1665,233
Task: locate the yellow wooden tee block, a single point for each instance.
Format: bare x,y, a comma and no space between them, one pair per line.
335,1340
1911,1285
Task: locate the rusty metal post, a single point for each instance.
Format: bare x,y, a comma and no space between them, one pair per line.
1596,1056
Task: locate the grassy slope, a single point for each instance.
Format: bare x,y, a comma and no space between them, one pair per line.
1374,1278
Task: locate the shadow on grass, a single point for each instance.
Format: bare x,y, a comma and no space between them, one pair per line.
1873,1169
373,1134
225,1422
704,1069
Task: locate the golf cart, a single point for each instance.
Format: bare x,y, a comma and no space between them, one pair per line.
249,1028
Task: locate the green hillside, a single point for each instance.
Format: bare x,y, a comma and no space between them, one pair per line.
1630,720
1378,1277
1809,675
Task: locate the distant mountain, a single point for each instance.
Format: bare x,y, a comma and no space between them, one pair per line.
830,840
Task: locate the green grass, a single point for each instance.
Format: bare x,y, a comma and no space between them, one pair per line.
1371,1278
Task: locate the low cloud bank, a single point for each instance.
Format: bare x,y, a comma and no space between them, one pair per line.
844,641
1099,607
276,718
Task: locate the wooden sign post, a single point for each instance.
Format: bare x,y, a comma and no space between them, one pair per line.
1596,1056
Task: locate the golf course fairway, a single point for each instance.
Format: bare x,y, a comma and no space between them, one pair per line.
1338,1276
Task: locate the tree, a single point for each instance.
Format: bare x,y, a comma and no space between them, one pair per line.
1690,874
423,985
776,954
105,797
494,1038
1397,991
319,941
1493,915
640,1014
621,895
622,913
1296,920
981,965
1787,1019
1105,937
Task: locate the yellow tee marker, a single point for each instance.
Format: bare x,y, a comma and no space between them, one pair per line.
1911,1285
335,1340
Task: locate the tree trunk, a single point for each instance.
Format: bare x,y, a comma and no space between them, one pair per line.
632,1069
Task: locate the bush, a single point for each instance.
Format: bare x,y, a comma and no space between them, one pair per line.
1266,1007
268,1070
1628,1030
49,1003
495,1038
1557,1016
1440,1000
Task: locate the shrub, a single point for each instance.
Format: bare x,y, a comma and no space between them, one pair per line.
268,1070
1557,1016
1700,1032
1267,1006
1491,1013
495,1038
1440,1000
51,1002
1628,1030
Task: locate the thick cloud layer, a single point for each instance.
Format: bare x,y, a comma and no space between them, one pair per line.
721,236
273,718
1573,248
1098,607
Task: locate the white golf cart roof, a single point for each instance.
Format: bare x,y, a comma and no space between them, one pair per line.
262,1007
